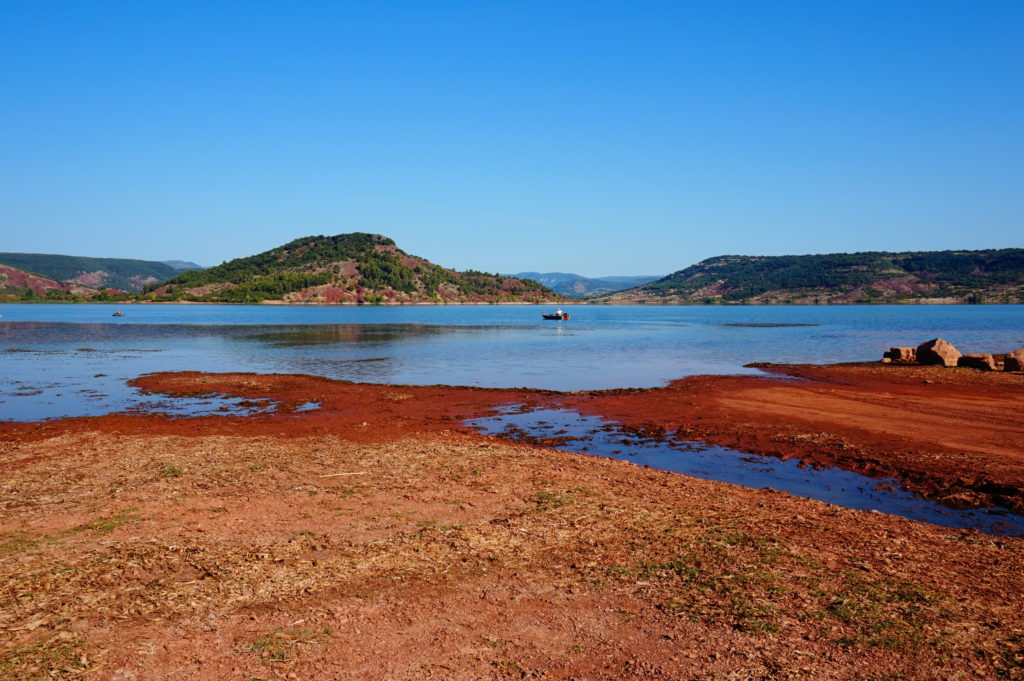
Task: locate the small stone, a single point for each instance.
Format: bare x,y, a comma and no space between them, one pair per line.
1014,360
983,361
900,355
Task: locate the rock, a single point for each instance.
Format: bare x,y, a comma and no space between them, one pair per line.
901,355
983,361
937,351
1014,360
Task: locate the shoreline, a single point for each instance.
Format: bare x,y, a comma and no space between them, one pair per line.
276,303
222,547
919,425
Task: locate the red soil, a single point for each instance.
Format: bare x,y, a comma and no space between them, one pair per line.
372,539
956,435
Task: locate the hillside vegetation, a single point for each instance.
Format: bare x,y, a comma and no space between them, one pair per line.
991,276
19,285
95,273
347,268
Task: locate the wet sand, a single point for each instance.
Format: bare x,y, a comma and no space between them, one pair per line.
375,537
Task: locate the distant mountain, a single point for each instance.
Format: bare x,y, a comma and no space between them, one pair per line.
20,285
182,265
576,286
353,268
95,273
991,276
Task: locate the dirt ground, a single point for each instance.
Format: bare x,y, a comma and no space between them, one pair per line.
375,538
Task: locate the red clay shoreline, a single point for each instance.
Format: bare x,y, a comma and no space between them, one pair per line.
378,537
952,435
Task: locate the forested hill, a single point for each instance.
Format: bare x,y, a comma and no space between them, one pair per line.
96,273
992,276
348,268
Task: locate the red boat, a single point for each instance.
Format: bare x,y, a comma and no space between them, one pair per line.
557,314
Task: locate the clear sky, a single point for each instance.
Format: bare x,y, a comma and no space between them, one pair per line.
632,137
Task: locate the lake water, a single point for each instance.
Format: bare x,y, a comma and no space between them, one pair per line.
72,360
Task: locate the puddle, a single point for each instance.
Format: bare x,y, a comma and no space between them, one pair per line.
212,404
571,431
308,406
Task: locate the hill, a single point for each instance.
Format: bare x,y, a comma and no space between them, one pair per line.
990,276
355,268
20,285
96,273
576,286
181,265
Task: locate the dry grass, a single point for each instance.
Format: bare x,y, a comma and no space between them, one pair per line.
98,542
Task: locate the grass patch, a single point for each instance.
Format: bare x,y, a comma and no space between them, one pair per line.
18,541
106,525
53,656
547,501
281,644
170,470
882,613
724,574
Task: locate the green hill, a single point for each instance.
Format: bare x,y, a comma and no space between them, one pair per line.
353,268
120,273
990,276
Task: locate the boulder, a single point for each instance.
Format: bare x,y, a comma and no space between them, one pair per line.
900,355
983,361
937,351
1014,360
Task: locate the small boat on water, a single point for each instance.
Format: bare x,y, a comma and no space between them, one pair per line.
118,313
557,314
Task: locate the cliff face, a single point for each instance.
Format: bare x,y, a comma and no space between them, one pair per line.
993,276
354,268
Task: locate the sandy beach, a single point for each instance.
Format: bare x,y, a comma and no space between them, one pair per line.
378,537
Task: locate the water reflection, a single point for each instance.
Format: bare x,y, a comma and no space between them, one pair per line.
493,346
571,431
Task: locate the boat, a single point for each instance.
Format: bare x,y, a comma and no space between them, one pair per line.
118,313
557,314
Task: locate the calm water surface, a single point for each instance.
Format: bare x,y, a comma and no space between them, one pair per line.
73,360
67,360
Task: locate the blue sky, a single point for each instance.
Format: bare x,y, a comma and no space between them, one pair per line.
593,137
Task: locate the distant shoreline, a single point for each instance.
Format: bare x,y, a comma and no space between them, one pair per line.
276,303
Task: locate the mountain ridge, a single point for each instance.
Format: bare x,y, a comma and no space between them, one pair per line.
578,286
963,276
124,274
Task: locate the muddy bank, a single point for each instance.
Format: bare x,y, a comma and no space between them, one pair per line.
952,435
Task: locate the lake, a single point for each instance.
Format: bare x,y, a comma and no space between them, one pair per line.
72,360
